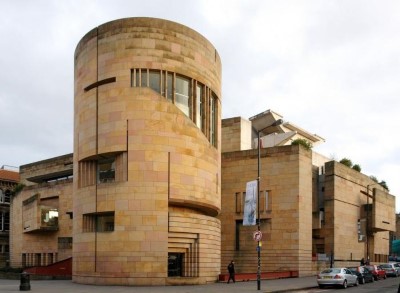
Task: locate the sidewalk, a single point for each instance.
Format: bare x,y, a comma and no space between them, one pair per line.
62,286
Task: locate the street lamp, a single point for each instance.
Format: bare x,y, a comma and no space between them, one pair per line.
276,123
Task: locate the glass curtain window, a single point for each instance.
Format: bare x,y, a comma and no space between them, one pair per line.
199,105
182,90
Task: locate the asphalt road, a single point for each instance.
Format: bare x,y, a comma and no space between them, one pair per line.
390,285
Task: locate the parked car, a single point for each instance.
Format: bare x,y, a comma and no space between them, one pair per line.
364,275
390,269
377,272
337,277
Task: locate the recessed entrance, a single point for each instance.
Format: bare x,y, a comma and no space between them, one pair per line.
175,264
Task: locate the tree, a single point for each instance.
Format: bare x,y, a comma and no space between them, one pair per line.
303,142
356,167
18,188
347,162
373,178
384,185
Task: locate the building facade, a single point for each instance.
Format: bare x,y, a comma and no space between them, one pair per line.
314,212
158,192
8,181
146,155
42,214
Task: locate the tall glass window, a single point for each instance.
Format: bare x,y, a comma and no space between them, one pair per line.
212,119
182,86
170,87
137,77
155,80
190,96
199,105
143,77
5,221
7,196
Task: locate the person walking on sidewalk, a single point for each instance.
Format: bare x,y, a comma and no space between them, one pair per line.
231,270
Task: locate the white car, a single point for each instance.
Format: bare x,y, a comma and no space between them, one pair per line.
337,277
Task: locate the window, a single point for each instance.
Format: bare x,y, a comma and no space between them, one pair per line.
98,222
238,198
267,199
49,217
155,80
182,86
64,242
143,78
170,87
199,106
195,100
106,170
4,221
175,264
5,196
213,119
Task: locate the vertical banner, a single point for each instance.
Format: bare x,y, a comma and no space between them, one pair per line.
250,204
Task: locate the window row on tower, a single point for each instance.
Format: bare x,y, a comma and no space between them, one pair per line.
194,99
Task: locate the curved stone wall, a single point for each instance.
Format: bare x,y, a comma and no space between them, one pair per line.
146,149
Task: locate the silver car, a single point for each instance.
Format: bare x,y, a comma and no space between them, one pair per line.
337,277
391,269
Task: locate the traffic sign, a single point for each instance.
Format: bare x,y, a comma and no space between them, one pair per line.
257,236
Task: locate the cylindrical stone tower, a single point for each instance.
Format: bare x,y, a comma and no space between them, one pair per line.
147,181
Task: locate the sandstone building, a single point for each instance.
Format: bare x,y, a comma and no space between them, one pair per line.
154,191
147,160
42,214
312,209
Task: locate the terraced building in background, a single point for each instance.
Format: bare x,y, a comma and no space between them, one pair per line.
9,179
147,157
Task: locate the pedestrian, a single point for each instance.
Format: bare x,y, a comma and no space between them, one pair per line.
362,262
231,270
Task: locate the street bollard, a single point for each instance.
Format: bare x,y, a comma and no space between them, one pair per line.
25,284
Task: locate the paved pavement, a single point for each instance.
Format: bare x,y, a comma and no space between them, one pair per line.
64,286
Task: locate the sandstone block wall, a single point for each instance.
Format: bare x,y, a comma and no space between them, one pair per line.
167,192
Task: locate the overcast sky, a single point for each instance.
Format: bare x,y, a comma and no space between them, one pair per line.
330,67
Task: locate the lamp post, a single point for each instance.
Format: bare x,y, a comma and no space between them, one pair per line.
276,123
